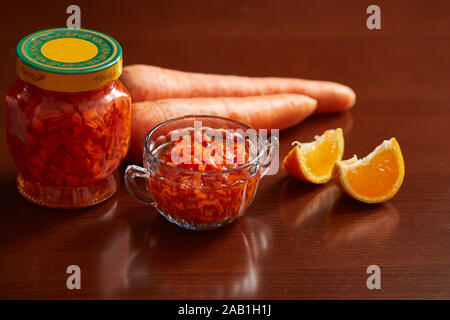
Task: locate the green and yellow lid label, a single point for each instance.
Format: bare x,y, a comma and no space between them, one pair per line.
68,60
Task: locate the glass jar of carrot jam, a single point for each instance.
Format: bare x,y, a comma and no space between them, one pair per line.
68,117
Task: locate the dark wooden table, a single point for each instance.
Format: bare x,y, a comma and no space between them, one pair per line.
297,241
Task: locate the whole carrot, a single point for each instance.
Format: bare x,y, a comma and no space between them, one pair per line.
277,111
146,82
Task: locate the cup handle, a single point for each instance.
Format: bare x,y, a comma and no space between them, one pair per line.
271,147
131,173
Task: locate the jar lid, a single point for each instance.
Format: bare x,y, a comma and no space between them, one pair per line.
68,60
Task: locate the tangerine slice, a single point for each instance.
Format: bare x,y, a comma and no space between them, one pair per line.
314,161
375,178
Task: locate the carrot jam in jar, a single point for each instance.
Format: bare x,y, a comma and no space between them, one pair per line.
68,117
203,184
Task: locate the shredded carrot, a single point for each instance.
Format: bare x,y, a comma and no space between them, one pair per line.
200,195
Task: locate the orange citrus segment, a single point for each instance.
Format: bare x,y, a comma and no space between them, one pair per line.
375,178
314,161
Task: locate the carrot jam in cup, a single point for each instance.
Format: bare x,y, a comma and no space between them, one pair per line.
201,172
68,117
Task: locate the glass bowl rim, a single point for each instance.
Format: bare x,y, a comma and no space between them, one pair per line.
159,162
